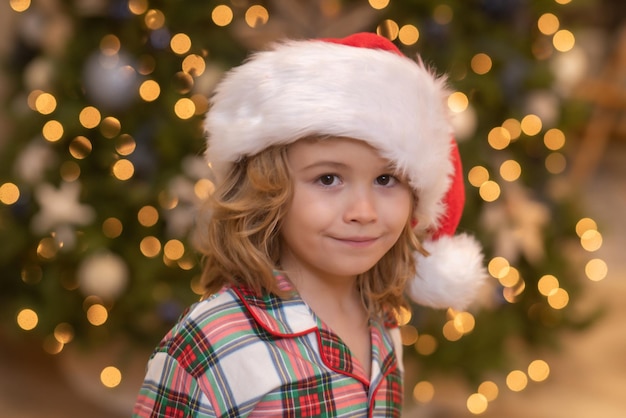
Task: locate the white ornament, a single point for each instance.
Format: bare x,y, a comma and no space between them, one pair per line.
34,160
110,80
104,275
60,207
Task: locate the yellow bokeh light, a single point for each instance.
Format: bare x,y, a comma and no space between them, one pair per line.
150,246
516,380
584,225
137,7
514,127
426,344
531,125
52,130
174,249
498,267
489,191
388,28
478,175
499,138
110,127
123,169
45,103
489,390
404,316
9,193
510,170
184,108
481,63
538,370
256,16
111,376
591,240
70,171
51,345
148,216
194,65
89,117
222,15
409,34
97,314
378,4
509,277
149,90
511,294
110,45
554,139
64,333
154,19
548,23
27,319
80,147
547,284
47,248
19,5
203,188
464,322
558,298
125,144
596,269
443,14
112,227
458,102
556,163
563,40
180,43
31,274
477,403
450,332
423,392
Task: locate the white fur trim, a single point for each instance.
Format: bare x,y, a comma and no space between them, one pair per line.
451,276
304,88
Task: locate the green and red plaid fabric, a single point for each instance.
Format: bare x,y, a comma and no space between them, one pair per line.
237,354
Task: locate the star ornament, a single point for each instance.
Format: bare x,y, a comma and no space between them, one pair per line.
60,207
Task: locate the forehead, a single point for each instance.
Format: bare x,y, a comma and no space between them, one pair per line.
333,147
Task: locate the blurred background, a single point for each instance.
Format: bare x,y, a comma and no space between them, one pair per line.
101,170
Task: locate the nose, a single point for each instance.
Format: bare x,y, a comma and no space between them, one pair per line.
361,206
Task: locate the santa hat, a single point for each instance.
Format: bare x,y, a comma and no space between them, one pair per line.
360,87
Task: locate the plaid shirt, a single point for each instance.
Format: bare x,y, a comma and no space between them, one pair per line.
236,354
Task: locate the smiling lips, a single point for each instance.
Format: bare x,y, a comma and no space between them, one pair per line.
360,242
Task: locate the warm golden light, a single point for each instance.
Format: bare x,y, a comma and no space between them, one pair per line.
477,176
389,29
47,248
563,40
426,344
148,216
45,103
596,269
489,191
19,5
450,332
509,277
477,403
123,169
97,314
184,108
499,138
514,127
154,19
554,139
69,171
111,376
408,34
548,23
174,249
180,43
150,246
256,16
547,284
516,380
27,319
52,130
510,170
112,227
203,188
531,125
110,45
423,392
489,390
222,15
558,298
149,90
125,144
80,147
481,63
584,225
378,4
556,163
194,65
538,370
591,240
89,117
110,127
64,333
9,193
458,102
409,335
443,14
498,267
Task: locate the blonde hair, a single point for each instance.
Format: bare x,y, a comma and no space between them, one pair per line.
241,242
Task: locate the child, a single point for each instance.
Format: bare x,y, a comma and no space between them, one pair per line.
332,160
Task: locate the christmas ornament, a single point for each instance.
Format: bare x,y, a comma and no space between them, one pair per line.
103,274
60,206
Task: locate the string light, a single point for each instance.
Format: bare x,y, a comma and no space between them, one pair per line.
423,392
409,35
378,4
477,403
388,28
481,63
9,193
563,40
111,376
256,16
19,5
222,15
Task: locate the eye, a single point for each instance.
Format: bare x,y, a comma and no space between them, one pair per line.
386,180
328,179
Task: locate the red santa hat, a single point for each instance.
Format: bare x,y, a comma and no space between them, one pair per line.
360,87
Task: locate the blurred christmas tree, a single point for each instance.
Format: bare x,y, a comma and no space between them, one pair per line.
103,167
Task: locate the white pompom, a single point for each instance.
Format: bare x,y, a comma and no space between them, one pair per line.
451,276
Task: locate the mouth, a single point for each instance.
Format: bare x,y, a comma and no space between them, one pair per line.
359,242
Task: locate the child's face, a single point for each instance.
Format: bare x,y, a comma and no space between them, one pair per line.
348,208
